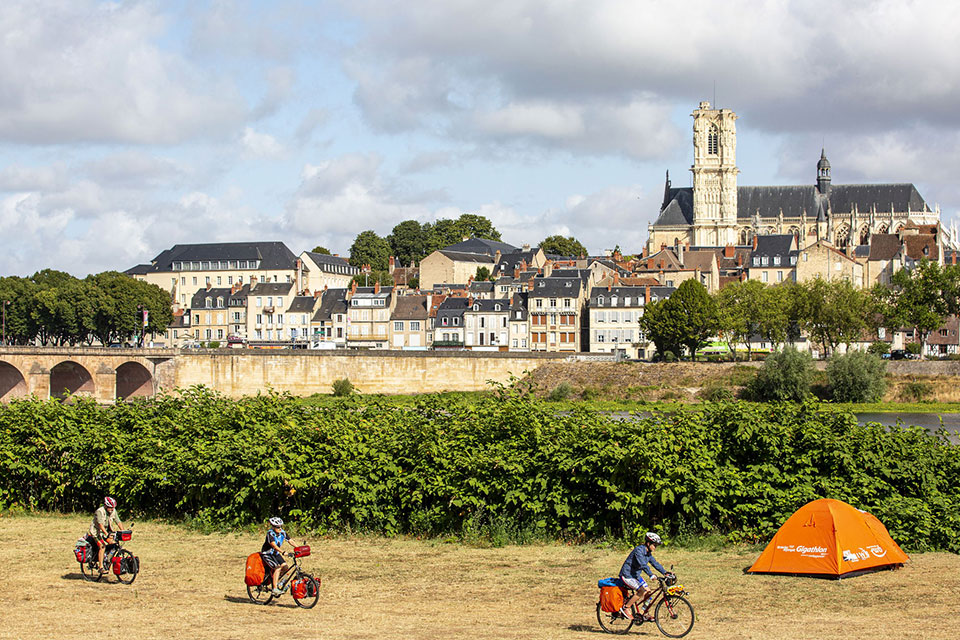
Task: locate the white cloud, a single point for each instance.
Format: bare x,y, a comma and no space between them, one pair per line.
260,144
96,74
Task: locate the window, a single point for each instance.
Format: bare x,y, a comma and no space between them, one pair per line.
208,303
194,280
270,301
756,261
553,302
259,319
713,140
398,326
279,302
539,304
444,322
779,276
456,321
219,303
259,302
414,325
600,301
764,261
567,302
776,261
219,334
766,276
793,260
219,281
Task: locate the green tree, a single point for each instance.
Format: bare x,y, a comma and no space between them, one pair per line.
116,317
856,376
920,298
833,312
560,246
778,318
408,241
474,226
483,273
376,275
321,250
785,375
660,324
21,327
369,248
739,307
444,232
699,312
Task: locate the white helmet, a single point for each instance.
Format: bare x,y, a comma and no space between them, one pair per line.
276,522
652,537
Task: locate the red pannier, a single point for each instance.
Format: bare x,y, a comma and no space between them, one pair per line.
124,536
301,552
81,553
254,573
611,599
298,589
117,562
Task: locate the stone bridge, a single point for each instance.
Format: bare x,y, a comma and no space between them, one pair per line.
110,374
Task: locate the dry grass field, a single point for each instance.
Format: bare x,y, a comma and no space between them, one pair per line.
191,586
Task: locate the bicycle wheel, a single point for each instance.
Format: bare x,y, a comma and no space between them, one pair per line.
313,586
261,594
126,559
613,622
674,616
89,569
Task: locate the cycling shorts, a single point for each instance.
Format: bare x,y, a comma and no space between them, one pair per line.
634,583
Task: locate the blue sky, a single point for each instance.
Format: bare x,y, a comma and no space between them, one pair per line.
127,127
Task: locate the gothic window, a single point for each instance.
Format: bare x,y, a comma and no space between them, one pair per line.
713,140
864,234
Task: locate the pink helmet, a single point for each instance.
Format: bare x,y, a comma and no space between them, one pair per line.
110,502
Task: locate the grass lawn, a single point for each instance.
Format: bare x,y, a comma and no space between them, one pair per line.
191,586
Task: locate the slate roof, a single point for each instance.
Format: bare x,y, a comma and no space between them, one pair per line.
481,286
510,261
479,245
371,292
490,306
271,288
461,256
331,301
410,308
302,304
774,245
198,301
795,200
636,295
554,287
884,246
518,302
583,274
139,270
327,263
450,308
272,255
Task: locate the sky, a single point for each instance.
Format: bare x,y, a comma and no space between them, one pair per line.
128,127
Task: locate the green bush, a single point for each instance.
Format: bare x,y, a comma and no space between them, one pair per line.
915,391
914,348
857,376
716,394
343,387
560,392
213,345
589,393
879,348
785,375
669,356
506,467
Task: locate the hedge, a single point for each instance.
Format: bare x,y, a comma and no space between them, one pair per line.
733,468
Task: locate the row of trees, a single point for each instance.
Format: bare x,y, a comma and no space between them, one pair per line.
829,312
56,308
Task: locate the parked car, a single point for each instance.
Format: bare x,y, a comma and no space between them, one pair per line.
902,354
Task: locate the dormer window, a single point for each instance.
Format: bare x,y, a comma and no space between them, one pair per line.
713,140
613,301
756,261
600,301
776,261
496,307
476,307
209,303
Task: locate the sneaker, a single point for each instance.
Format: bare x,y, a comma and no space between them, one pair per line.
276,593
626,614
647,618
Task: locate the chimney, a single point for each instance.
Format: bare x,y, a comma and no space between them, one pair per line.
392,263
954,258
646,295
353,289
739,259
529,285
376,287
680,253
609,288
429,302
643,254
526,247
616,279
728,251
754,243
208,285
663,246
496,257
516,273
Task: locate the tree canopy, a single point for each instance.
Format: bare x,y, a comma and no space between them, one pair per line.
558,245
369,248
321,250
688,318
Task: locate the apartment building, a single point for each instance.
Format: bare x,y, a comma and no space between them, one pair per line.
519,323
217,313
555,309
299,319
822,260
773,259
486,324
449,327
408,324
614,314
368,316
330,318
267,304
185,268
320,271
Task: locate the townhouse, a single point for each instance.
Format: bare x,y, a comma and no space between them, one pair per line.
615,312
368,316
217,313
329,323
266,306
449,331
320,271
408,324
486,324
773,259
555,310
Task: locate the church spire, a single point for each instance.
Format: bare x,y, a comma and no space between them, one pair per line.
666,192
823,174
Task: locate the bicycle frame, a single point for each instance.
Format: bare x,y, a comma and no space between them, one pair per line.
657,594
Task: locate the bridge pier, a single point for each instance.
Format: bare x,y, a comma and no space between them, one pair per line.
105,380
38,381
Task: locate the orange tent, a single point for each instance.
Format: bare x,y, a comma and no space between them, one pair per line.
829,538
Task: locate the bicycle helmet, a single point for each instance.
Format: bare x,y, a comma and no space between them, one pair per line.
652,537
109,503
276,522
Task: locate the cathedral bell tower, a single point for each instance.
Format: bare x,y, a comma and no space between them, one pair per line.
714,176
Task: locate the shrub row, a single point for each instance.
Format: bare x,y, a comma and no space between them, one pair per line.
732,468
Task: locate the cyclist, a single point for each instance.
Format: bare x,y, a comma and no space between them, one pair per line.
633,569
102,527
271,552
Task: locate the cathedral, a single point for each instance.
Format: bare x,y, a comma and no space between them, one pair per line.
716,212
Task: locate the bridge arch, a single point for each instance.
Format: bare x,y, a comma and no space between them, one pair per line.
12,383
69,377
133,380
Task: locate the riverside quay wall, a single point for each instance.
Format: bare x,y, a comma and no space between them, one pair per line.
108,374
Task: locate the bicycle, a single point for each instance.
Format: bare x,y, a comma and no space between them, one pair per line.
673,613
123,563
303,587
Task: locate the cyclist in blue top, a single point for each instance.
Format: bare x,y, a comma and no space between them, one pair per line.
633,569
271,552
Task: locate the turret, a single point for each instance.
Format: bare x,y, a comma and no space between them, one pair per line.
823,174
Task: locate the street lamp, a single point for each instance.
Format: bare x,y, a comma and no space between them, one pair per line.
6,303
142,321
